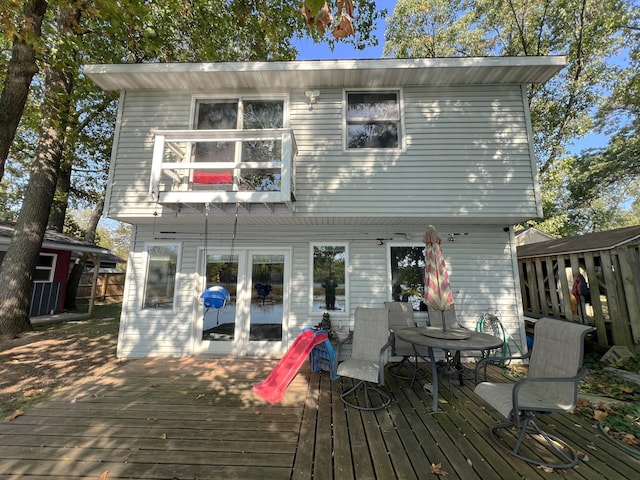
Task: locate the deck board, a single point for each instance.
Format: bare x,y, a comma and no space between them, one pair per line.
197,418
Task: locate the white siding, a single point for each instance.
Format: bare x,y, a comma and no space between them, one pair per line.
466,158
480,265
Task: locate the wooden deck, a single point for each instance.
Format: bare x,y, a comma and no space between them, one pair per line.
198,419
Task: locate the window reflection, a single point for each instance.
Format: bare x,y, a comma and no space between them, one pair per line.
373,120
329,263
407,275
161,276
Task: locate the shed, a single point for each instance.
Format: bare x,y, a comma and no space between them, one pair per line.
609,263
52,271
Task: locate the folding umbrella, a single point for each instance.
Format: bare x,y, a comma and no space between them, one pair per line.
437,288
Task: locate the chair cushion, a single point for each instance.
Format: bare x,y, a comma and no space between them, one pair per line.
530,397
498,395
207,178
360,369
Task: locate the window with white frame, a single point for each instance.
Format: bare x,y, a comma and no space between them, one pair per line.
240,114
160,282
373,120
46,268
407,275
329,266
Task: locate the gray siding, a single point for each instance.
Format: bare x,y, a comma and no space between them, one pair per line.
480,264
466,158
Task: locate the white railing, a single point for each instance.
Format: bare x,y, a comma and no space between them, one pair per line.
223,166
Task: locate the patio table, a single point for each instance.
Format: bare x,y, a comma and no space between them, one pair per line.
466,340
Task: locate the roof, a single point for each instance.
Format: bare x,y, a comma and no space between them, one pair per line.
53,240
326,73
531,235
589,242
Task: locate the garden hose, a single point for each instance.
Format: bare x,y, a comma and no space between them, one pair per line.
490,319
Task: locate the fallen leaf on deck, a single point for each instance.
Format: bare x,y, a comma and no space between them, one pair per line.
436,468
16,414
163,436
104,474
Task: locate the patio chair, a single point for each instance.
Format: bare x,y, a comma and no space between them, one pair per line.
555,368
401,316
369,353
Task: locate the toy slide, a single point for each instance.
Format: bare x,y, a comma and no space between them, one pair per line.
273,387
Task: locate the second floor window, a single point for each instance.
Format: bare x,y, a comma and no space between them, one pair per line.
240,114
373,120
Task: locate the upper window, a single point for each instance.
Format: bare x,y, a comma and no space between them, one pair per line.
240,114
373,120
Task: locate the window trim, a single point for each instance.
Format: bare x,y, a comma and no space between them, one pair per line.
340,314
239,98
51,269
146,259
401,121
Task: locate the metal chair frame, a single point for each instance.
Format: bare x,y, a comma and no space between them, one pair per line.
368,358
548,388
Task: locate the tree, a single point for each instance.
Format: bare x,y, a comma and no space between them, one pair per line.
16,272
166,30
20,70
79,265
589,33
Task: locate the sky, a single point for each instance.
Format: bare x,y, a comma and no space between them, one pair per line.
311,51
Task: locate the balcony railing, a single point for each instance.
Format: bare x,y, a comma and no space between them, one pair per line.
223,166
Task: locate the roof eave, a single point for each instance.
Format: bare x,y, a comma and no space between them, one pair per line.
327,73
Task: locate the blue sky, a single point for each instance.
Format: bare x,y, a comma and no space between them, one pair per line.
311,51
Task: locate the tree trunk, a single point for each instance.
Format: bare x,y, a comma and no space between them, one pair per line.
61,197
78,267
16,272
20,71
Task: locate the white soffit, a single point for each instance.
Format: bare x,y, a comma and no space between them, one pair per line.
326,73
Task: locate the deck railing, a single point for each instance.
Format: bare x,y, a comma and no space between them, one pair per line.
223,166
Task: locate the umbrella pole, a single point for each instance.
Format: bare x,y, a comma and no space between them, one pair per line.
444,322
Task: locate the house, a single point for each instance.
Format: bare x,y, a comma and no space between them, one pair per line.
317,179
531,235
52,270
606,264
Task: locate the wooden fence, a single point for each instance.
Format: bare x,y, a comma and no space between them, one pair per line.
613,305
110,287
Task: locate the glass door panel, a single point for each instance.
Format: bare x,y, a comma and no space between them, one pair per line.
251,322
219,321
266,312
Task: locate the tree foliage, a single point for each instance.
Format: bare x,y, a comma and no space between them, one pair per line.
590,33
69,120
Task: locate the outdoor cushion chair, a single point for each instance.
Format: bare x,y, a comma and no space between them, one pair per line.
369,352
551,385
400,362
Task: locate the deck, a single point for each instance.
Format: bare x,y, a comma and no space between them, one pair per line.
198,419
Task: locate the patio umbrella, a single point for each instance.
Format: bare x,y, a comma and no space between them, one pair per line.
436,278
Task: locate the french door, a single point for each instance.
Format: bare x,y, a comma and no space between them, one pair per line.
252,322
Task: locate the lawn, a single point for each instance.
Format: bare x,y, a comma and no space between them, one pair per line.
55,356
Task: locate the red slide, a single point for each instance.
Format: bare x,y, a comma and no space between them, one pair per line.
273,387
